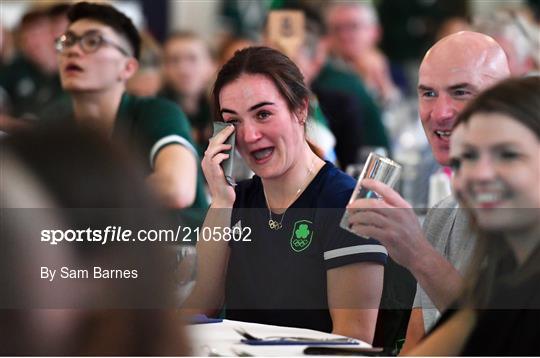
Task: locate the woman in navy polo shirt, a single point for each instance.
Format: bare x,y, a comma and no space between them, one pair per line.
289,263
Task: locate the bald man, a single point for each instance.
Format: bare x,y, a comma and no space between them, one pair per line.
452,72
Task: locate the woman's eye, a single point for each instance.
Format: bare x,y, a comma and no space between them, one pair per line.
230,120
263,114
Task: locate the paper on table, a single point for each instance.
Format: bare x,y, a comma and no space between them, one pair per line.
291,340
297,342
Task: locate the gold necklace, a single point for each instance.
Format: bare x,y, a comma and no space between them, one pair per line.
274,224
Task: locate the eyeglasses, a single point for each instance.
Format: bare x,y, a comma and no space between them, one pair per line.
90,42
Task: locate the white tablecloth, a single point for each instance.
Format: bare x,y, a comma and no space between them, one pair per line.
220,338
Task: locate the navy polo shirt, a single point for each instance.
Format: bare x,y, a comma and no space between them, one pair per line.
279,277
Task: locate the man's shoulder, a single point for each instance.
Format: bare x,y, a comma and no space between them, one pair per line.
447,229
155,122
439,220
154,115
449,202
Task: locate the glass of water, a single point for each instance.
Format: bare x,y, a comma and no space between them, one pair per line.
377,168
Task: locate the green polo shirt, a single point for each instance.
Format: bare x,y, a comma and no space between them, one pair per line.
151,124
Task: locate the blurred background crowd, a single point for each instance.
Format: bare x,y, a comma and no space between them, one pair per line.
360,61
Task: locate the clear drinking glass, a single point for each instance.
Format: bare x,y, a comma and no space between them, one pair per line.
377,168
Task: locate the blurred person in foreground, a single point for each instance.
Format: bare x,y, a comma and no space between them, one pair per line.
188,70
97,56
92,185
498,170
453,71
301,269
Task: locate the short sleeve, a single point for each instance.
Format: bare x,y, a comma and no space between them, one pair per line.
342,247
163,124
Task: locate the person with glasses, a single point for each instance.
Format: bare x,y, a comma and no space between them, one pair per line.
90,42
97,55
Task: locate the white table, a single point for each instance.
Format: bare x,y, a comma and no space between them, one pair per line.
220,338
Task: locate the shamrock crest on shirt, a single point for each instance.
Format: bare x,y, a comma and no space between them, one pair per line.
302,235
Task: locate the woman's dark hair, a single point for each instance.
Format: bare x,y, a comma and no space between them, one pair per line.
517,98
267,62
108,15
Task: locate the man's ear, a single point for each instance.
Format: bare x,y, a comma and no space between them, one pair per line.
130,68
